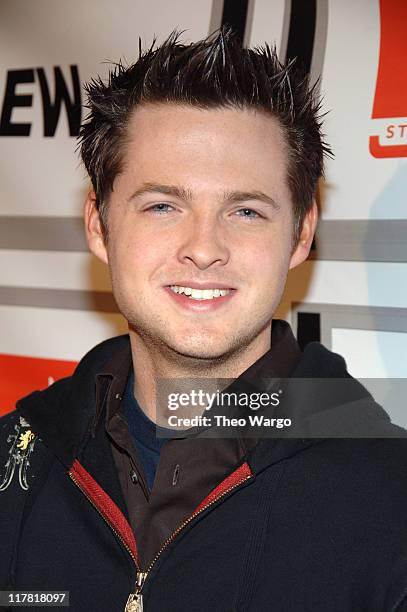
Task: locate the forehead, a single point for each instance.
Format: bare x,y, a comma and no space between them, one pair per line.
164,125
217,145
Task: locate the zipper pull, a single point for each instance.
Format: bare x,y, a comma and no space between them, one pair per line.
135,600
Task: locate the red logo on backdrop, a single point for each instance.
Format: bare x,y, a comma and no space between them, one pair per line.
390,101
22,375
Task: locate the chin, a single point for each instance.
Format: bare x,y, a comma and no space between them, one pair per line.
199,352
201,348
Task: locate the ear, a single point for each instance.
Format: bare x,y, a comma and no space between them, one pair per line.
306,237
93,228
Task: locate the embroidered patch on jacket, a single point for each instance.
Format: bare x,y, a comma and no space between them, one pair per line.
21,446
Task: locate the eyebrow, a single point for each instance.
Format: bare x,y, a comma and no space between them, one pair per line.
172,190
186,194
246,196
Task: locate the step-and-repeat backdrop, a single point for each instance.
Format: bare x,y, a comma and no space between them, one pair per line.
55,299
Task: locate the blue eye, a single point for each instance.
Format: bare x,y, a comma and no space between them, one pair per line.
160,208
248,213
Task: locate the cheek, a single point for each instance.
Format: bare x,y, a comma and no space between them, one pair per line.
137,256
265,260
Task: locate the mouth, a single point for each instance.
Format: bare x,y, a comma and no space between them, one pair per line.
200,294
200,298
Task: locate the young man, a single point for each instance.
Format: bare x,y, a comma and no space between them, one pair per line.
204,161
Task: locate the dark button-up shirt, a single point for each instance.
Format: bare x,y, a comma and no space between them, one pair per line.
188,468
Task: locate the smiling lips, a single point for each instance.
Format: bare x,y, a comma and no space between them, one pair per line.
200,294
203,298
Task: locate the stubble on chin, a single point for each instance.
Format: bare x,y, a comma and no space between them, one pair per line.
199,356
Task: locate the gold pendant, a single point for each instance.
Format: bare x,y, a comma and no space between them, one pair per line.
134,603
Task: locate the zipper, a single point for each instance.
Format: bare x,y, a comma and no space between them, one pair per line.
117,534
135,600
138,594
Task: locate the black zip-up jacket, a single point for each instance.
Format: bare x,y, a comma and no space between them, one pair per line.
301,525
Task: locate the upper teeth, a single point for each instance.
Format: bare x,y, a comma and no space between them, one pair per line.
200,294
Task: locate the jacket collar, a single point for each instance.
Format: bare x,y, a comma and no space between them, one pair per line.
65,414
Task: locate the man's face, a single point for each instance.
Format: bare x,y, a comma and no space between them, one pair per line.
200,228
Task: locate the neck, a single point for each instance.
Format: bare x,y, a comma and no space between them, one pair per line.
153,362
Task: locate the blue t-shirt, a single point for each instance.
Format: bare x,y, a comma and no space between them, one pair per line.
143,431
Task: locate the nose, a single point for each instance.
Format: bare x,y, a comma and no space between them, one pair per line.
203,242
